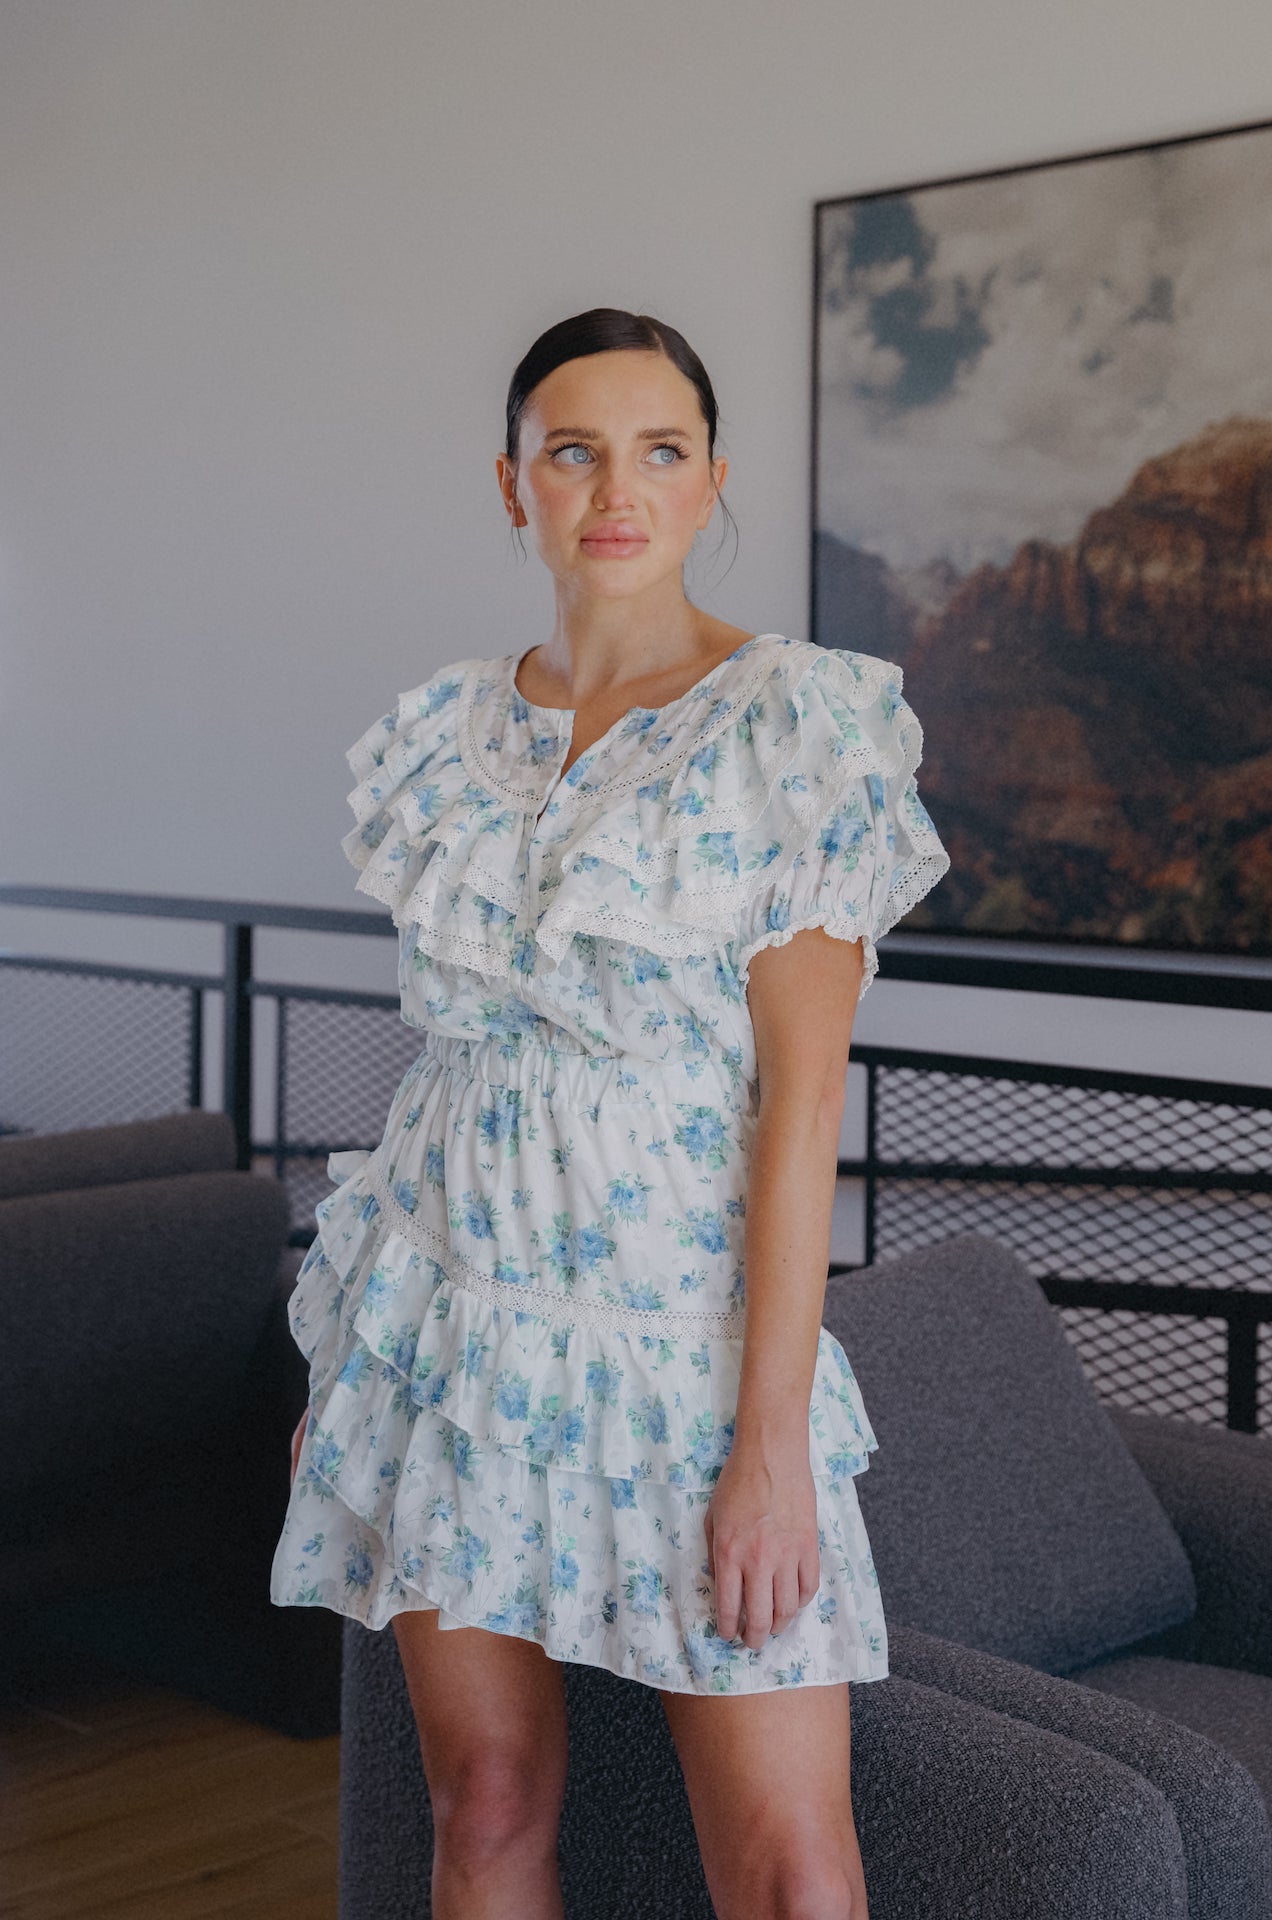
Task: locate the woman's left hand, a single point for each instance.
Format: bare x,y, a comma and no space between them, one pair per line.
761,1526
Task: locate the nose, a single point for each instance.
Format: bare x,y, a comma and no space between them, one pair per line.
614,487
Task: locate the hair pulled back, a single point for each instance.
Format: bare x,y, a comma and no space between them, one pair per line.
607,330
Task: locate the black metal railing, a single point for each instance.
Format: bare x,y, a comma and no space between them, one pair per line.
1141,1203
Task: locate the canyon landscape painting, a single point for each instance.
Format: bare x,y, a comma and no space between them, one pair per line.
1042,485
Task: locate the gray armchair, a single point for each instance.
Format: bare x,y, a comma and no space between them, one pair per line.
149,1386
1079,1599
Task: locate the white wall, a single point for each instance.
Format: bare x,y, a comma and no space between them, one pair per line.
267,267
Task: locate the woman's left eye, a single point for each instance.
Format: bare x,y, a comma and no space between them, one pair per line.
666,447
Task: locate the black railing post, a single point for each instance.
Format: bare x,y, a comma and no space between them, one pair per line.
237,1072
280,1087
196,1046
1243,1364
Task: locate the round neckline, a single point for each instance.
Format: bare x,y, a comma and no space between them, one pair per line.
515,659
659,738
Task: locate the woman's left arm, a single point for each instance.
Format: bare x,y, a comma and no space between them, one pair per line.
761,1523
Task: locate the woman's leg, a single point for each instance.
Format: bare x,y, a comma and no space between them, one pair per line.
768,1782
490,1708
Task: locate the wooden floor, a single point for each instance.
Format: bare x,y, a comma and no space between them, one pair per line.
122,1800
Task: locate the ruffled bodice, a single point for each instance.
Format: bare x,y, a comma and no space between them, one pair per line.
524,1312
776,794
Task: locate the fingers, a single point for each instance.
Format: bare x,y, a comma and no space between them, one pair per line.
728,1579
766,1598
809,1574
787,1598
759,1611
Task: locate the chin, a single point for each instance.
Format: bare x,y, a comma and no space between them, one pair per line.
614,579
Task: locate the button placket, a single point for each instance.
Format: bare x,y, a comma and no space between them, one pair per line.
565,733
527,920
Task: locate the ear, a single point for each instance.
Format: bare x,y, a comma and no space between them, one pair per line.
508,488
719,468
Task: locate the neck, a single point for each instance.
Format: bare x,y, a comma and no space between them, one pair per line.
598,643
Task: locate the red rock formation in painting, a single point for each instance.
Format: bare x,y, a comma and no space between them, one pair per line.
1098,716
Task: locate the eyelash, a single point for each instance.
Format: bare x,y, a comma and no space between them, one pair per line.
679,452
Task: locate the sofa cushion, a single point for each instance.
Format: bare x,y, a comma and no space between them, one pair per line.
1004,1508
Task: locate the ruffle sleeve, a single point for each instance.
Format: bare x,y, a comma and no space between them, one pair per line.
436,847
853,846
796,808
406,764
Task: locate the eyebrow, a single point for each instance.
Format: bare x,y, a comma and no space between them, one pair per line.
594,433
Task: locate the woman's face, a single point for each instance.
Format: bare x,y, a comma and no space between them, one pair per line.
613,477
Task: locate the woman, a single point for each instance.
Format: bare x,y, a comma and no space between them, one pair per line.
639,871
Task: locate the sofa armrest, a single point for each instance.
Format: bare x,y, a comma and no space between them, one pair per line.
962,1810
1216,1486
126,1329
1215,1802
192,1141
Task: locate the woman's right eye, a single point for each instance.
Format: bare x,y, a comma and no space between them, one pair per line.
573,446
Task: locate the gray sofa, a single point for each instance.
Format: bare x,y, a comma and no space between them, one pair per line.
1077,1720
149,1386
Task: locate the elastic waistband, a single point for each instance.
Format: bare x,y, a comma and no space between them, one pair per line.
458,1049
529,1060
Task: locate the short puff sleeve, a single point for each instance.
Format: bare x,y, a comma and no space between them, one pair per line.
408,768
854,848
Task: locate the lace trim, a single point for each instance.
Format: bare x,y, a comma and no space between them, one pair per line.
506,891
679,939
723,1324
807,811
531,798
659,863
931,865
614,843
475,763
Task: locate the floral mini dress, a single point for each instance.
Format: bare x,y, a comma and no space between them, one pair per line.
523,1312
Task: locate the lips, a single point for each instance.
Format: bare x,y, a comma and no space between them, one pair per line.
619,533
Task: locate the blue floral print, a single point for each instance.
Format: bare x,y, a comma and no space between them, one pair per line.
523,1311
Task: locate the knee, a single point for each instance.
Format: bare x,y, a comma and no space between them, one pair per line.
490,1804
805,1877
815,1891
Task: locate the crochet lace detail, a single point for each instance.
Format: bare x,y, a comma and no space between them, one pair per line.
559,1310
719,714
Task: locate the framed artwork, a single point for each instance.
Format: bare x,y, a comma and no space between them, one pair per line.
1042,485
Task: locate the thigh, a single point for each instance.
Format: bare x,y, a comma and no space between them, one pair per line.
490,1707
767,1775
